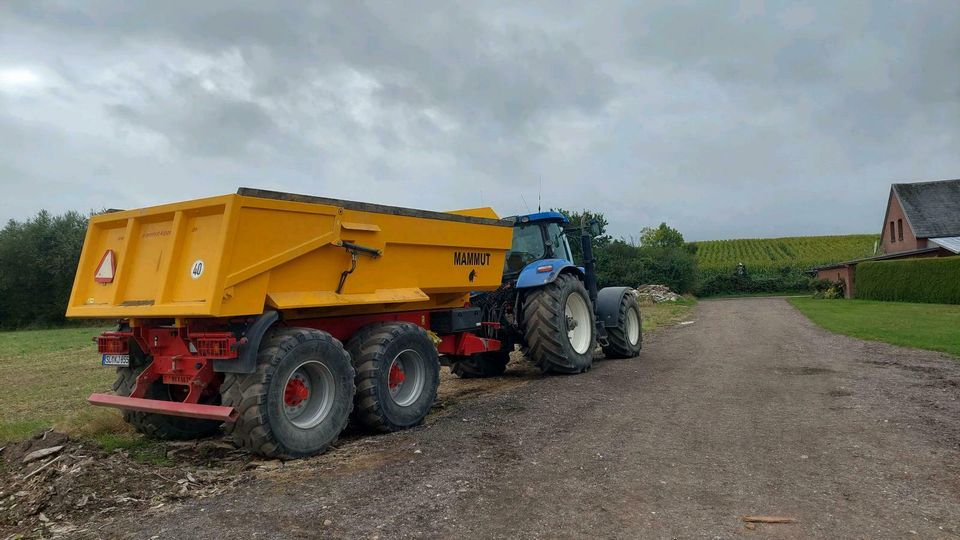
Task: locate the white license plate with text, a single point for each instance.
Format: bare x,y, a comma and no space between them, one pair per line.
122,360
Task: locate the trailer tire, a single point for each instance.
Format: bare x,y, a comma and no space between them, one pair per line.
488,364
626,338
398,370
297,401
161,426
553,343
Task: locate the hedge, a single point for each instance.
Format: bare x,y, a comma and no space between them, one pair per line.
932,281
765,281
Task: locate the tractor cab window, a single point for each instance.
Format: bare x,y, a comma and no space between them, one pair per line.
558,241
527,247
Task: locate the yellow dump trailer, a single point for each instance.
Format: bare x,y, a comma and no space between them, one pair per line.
278,317
277,314
237,254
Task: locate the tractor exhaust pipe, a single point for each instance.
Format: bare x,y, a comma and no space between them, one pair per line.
589,262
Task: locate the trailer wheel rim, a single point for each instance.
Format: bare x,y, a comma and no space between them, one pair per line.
406,377
308,394
578,323
633,326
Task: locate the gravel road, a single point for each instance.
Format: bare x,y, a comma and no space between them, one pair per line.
749,410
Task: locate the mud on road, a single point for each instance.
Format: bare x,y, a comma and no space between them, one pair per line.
749,410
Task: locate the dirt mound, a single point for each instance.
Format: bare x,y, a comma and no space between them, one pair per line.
52,485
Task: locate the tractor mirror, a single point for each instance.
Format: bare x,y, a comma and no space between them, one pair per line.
594,227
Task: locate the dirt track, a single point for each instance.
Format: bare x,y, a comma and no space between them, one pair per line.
750,410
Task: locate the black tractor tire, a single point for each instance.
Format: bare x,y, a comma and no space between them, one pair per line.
160,426
383,404
488,364
619,337
546,327
265,424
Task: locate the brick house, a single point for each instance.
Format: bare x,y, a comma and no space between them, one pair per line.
922,220
922,215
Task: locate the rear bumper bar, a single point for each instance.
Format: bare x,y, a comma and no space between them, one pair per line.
173,408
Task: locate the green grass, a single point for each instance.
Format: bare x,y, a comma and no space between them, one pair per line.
925,326
45,378
141,449
665,314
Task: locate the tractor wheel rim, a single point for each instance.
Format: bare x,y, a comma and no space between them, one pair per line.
406,377
633,326
308,394
579,324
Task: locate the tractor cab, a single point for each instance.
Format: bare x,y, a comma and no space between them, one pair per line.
537,237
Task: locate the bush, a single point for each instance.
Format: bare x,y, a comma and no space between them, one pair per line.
932,281
827,289
663,258
784,279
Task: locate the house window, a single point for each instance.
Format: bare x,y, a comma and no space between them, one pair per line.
900,230
892,232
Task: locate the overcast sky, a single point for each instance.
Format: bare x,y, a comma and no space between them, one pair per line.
724,119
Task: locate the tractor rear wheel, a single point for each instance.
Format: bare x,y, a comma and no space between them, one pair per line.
297,401
488,364
559,326
162,426
398,370
626,338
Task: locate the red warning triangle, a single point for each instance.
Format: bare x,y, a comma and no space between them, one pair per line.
106,268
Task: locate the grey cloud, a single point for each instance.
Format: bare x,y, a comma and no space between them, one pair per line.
199,122
724,118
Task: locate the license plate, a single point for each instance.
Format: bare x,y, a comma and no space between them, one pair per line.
122,360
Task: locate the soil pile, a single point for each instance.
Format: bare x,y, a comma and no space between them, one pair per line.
52,485
656,294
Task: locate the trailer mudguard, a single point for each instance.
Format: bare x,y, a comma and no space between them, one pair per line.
531,276
246,360
608,304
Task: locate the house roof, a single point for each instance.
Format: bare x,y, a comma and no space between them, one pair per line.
932,208
887,256
951,243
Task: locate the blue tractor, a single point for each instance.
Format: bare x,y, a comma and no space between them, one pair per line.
550,306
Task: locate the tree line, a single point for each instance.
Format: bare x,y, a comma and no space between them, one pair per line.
38,259
661,256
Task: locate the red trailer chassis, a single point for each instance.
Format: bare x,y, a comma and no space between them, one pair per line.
182,356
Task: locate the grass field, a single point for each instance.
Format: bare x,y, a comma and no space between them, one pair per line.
766,254
668,313
46,376
926,326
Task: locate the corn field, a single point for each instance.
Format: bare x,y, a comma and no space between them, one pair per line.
764,255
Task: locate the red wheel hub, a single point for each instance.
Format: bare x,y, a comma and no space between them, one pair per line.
295,393
396,376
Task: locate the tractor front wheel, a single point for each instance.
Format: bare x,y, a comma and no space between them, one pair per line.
626,338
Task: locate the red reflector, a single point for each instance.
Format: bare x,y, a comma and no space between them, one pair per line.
215,345
106,268
547,268
113,343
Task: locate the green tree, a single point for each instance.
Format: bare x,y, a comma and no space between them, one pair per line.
573,231
661,237
38,259
662,256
